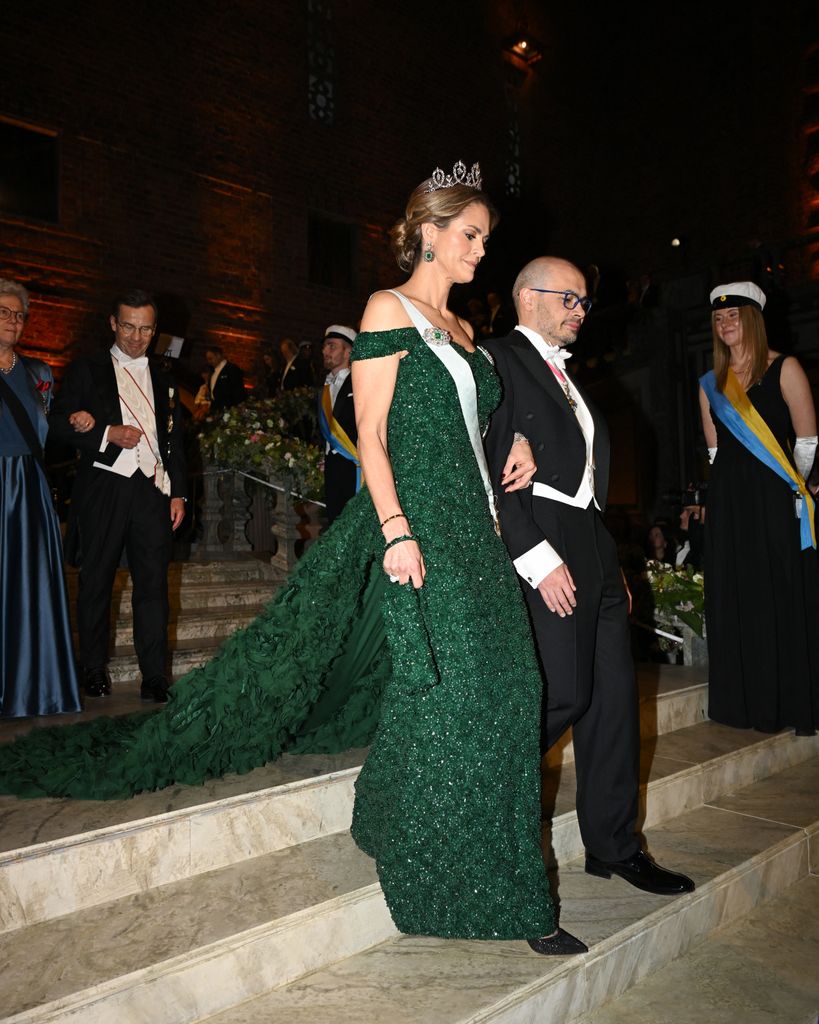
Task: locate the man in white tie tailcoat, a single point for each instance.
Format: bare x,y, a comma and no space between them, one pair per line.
567,565
121,410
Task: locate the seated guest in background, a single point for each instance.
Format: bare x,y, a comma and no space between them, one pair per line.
129,492
227,381
660,543
342,475
37,671
297,372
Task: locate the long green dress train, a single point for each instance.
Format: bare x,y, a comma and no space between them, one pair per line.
448,800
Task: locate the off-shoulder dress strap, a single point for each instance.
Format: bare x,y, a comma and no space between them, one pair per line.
373,344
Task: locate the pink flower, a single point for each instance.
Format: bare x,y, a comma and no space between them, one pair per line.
43,385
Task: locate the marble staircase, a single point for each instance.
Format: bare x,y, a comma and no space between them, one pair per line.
246,901
208,600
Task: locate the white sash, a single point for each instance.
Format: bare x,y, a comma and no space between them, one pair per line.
461,374
143,412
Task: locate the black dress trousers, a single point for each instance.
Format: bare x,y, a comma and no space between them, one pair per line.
127,512
590,685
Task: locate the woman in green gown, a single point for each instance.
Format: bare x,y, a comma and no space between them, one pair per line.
405,615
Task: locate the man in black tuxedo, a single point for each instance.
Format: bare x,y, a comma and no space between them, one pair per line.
567,561
121,410
337,415
227,381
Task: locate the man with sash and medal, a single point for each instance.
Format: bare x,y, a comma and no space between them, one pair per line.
129,492
761,573
336,416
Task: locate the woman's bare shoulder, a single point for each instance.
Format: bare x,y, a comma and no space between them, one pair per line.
384,312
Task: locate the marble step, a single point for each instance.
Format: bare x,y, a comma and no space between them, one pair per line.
200,595
213,624
182,950
63,856
679,771
743,850
761,969
200,572
59,855
671,697
271,926
183,656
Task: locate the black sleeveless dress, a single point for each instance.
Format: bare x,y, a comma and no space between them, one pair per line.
761,589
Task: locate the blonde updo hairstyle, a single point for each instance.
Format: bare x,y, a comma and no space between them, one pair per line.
438,208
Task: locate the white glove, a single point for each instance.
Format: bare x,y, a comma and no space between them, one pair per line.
712,454
803,453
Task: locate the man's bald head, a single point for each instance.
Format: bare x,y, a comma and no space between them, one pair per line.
540,273
539,299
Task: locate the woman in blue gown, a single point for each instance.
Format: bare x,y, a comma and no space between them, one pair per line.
37,671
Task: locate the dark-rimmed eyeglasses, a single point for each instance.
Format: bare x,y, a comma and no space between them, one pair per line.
570,299
144,332
12,314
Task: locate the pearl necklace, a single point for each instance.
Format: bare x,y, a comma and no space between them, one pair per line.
13,364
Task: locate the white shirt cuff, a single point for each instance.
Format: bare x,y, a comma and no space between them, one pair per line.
535,564
104,443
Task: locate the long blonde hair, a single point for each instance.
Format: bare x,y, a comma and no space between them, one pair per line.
754,341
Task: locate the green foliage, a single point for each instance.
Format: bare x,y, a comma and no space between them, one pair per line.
269,438
678,594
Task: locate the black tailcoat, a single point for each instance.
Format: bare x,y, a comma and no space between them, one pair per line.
109,512
229,389
586,657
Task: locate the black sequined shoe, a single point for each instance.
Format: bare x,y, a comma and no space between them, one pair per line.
559,944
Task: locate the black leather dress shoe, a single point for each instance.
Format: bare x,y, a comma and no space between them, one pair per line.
641,872
559,944
155,689
96,682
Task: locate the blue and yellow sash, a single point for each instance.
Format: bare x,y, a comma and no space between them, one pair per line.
335,435
736,411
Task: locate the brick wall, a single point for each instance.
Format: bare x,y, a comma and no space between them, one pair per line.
189,163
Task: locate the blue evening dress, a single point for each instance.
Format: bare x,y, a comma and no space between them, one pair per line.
38,675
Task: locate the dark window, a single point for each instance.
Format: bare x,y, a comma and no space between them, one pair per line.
321,61
28,173
331,247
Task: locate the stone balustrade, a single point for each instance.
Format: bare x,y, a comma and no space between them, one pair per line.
240,514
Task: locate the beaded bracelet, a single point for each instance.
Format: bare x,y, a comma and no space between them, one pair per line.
398,540
395,515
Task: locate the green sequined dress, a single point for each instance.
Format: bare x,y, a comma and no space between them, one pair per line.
448,800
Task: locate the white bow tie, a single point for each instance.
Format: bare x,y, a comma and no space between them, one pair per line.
557,355
134,364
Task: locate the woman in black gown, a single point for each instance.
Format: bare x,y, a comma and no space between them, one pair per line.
761,573
37,671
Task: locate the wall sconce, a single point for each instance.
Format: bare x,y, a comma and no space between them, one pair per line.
523,46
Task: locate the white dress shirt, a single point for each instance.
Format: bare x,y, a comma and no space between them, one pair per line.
142,456
535,564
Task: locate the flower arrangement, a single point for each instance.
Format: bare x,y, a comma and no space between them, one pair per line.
678,596
269,437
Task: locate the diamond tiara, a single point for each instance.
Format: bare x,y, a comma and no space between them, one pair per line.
459,176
